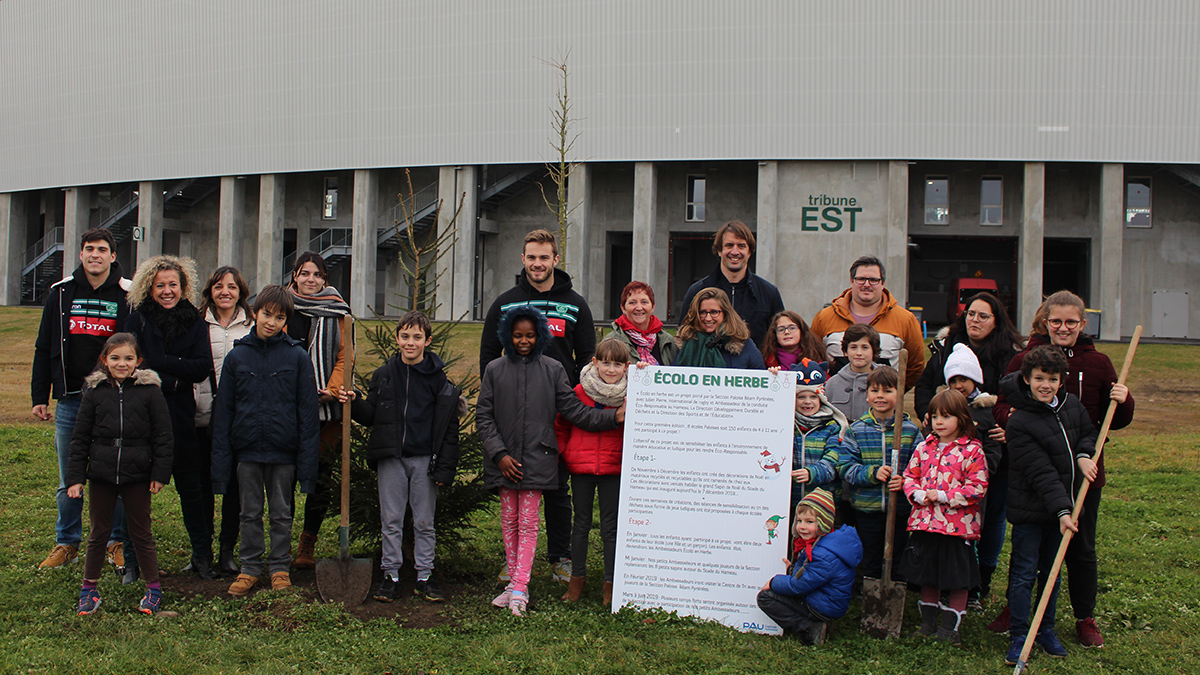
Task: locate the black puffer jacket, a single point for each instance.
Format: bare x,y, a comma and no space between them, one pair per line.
1043,446
515,413
123,432
413,411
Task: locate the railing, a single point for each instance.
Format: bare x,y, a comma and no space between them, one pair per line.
117,205
421,200
52,239
338,236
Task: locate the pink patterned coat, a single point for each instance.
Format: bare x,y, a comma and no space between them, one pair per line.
958,475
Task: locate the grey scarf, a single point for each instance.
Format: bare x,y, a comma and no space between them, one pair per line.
608,395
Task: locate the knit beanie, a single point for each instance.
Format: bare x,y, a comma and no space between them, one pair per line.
821,501
962,361
810,375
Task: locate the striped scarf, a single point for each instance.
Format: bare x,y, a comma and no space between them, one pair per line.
326,310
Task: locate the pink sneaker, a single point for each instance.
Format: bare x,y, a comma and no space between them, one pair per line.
518,604
504,598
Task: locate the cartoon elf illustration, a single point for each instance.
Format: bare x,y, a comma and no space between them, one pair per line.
771,526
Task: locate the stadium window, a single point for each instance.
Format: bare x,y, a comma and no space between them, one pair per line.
1137,202
991,200
695,199
937,200
329,205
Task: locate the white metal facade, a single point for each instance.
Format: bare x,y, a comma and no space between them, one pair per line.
125,90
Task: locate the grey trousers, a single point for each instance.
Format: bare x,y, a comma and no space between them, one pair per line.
278,482
403,483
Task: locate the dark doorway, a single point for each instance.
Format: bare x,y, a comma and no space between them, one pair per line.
691,259
620,271
1066,265
935,262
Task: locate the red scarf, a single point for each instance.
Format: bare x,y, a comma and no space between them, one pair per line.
643,341
805,545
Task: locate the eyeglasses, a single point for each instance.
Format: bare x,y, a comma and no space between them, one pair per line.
711,312
978,316
784,330
1059,323
867,281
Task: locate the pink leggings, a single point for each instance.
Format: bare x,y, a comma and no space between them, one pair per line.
519,523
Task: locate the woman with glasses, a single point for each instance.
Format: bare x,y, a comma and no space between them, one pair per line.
1091,377
984,327
712,335
788,340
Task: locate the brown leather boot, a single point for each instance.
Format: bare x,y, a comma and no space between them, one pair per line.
575,589
606,593
304,556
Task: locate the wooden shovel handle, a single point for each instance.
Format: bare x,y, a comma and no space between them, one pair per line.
348,376
897,437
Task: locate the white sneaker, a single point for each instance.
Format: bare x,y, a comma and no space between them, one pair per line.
561,571
504,577
504,598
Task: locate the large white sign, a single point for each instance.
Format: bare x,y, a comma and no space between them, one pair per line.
704,491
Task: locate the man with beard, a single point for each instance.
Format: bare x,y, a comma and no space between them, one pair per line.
755,299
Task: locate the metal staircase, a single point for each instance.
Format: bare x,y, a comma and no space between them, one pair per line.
43,263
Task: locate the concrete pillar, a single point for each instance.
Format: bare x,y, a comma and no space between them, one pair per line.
364,247
648,264
579,235
458,191
230,226
76,216
1031,245
150,220
1112,232
12,238
270,230
768,219
897,231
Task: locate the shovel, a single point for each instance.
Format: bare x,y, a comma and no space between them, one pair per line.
883,599
344,579
1044,601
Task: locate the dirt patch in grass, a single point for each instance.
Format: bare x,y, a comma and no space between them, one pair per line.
279,611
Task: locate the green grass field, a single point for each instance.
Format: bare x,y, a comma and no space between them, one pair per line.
1149,607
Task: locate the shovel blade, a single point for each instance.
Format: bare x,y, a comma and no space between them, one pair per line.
882,608
346,580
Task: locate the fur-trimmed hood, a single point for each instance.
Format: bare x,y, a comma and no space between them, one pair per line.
140,376
539,321
984,400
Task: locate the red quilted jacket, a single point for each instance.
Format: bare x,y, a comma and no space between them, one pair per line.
596,453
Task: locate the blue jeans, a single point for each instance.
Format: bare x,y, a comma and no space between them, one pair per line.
69,528
1033,550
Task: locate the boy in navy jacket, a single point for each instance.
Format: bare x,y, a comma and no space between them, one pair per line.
265,427
817,586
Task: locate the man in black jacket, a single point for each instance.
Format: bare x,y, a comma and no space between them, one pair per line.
541,285
755,299
81,312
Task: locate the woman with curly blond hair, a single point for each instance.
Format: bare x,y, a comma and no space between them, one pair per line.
712,335
174,342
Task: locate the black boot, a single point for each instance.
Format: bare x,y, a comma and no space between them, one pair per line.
948,631
929,617
227,563
985,581
202,566
131,574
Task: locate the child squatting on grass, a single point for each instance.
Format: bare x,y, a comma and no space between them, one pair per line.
594,460
265,427
944,481
123,443
820,576
518,397
415,412
1051,442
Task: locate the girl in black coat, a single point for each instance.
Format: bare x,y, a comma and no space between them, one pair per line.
174,340
122,442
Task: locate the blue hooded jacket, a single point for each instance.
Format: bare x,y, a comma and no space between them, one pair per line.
824,582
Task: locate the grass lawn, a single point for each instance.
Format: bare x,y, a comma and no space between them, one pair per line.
1149,607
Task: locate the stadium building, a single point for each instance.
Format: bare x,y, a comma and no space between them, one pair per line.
1039,145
